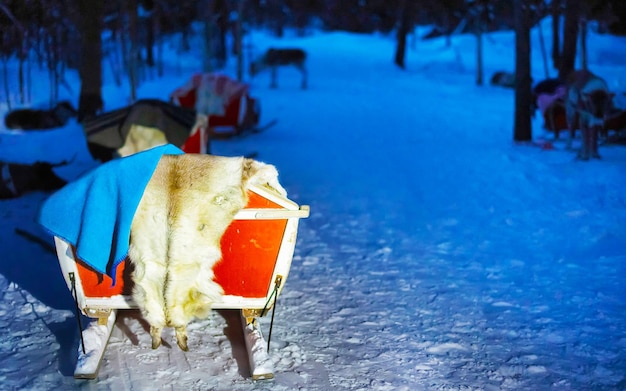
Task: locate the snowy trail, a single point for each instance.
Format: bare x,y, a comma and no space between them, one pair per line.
459,282
438,254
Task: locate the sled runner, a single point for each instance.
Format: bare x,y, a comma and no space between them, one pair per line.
257,250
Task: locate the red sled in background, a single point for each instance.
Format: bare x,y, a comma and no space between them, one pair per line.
226,102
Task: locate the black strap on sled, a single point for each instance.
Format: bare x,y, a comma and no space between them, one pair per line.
274,294
80,325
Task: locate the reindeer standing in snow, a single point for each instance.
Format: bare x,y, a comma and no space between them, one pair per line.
273,58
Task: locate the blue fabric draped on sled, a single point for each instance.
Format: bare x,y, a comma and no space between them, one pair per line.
95,212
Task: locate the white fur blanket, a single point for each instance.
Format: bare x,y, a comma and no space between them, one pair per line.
176,233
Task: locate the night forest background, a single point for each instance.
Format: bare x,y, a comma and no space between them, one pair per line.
127,35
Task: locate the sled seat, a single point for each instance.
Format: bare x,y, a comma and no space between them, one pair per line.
257,250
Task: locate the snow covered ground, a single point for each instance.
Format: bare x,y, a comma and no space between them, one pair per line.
439,255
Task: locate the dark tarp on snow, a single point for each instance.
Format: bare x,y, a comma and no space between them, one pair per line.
17,179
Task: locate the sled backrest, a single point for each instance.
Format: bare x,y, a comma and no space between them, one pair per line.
226,102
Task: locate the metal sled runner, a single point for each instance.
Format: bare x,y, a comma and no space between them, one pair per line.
257,250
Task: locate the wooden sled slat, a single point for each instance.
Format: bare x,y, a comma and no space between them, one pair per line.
95,337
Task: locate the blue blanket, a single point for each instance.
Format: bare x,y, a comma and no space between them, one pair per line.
95,212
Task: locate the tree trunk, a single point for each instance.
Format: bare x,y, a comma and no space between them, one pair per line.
403,30
447,21
570,38
90,101
121,38
7,88
277,17
21,75
556,34
54,60
400,49
157,14
150,26
523,93
583,44
133,54
544,55
29,80
208,34
239,39
51,62
480,25
479,56
222,15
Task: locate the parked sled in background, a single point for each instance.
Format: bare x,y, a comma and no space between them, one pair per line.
145,124
227,103
549,96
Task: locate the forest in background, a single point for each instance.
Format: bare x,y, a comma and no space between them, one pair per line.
128,35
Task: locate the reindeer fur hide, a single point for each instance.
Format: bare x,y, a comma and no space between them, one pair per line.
176,232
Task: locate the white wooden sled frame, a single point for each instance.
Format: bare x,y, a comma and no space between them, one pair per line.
104,309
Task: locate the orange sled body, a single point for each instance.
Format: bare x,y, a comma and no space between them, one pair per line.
257,250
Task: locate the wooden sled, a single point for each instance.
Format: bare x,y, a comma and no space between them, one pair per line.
257,249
